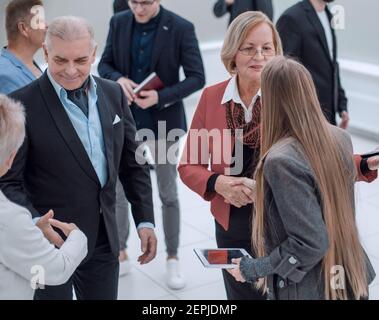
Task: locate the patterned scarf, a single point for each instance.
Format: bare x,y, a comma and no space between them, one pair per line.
235,118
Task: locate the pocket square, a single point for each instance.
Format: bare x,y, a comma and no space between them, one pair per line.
116,119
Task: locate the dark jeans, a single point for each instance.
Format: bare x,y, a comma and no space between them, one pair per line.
237,236
96,279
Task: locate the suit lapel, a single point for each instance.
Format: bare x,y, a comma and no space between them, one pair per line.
161,38
315,21
107,126
126,33
330,16
65,127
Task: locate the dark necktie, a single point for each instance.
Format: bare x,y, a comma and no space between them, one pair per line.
79,97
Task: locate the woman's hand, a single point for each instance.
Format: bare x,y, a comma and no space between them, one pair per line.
234,190
236,272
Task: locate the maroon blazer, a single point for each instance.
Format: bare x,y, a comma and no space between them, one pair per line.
194,169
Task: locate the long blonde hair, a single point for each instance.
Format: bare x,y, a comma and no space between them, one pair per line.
291,109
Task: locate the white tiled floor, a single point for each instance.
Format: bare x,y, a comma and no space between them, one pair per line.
197,230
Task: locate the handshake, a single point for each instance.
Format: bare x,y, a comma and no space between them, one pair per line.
46,224
236,191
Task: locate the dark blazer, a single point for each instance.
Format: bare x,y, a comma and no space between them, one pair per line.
120,5
220,8
308,44
53,171
175,46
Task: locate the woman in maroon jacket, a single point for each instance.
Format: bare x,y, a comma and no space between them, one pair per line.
225,110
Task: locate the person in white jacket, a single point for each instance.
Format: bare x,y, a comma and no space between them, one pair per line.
27,259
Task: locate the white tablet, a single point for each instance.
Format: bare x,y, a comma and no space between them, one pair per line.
220,258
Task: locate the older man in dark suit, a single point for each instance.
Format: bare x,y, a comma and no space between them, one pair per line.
148,38
80,138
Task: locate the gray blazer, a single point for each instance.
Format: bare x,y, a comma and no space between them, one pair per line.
296,236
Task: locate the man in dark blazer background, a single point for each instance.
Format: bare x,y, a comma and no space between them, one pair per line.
120,5
148,38
307,35
236,7
80,137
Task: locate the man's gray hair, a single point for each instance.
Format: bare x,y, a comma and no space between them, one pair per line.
69,28
12,127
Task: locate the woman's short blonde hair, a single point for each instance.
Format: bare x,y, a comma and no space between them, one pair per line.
237,33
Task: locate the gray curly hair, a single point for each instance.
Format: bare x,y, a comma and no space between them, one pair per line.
12,127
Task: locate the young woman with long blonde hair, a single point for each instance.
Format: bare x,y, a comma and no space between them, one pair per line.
304,229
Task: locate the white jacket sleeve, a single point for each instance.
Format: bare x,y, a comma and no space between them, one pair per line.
25,250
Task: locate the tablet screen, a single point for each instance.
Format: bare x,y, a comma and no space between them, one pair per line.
219,257
222,256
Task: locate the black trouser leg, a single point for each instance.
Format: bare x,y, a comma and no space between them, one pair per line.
237,236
